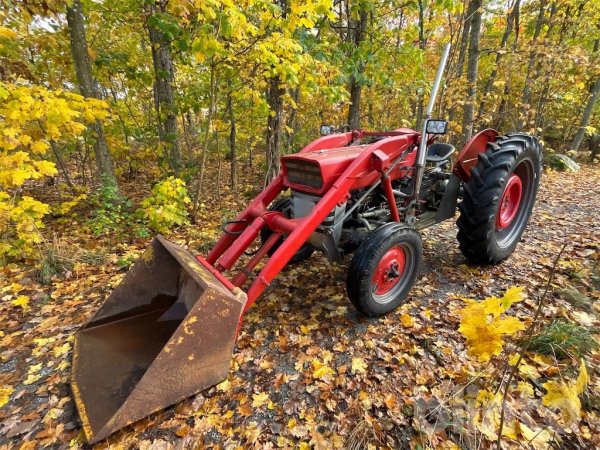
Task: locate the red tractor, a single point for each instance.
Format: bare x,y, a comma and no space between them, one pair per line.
169,329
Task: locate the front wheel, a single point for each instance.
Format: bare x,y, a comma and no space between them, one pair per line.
384,268
499,198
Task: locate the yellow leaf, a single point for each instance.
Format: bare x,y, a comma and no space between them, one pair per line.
525,389
40,147
42,342
259,400
359,365
45,167
7,33
224,386
483,327
62,350
5,392
406,320
561,395
493,305
31,378
22,301
512,295
321,370
487,398
537,439
583,378
565,396
365,400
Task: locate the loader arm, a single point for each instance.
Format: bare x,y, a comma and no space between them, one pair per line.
364,170
269,194
361,167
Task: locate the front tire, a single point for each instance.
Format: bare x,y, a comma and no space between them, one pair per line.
499,198
384,269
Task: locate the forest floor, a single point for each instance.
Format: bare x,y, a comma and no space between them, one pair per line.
308,370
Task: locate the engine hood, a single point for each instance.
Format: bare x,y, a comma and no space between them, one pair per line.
328,163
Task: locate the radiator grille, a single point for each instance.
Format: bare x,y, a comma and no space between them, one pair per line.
304,173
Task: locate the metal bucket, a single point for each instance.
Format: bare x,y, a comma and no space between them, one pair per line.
165,333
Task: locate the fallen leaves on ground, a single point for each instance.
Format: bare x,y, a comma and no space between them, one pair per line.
309,371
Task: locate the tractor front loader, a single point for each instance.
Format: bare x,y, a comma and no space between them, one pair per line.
169,329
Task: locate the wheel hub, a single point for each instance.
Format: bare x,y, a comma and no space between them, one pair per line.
389,271
509,203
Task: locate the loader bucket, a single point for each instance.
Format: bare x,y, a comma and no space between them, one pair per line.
165,333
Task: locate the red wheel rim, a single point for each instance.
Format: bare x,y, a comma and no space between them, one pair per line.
509,203
389,271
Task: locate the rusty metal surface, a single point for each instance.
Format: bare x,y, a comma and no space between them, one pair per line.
165,333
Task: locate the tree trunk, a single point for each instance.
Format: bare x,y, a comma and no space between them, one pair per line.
464,39
462,51
212,106
186,136
87,88
594,146
358,36
511,20
526,99
274,124
422,45
587,114
504,99
275,93
232,138
292,122
164,97
472,65
549,72
354,110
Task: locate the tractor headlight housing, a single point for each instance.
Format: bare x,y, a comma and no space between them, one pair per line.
435,126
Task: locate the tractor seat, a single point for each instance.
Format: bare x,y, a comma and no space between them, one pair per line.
438,152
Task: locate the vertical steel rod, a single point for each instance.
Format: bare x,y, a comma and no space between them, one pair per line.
423,144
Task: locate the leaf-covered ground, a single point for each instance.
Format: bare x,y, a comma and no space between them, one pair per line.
307,369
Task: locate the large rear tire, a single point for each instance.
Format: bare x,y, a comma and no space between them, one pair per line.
499,198
284,205
384,269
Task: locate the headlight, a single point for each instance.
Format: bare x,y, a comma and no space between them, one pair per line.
436,126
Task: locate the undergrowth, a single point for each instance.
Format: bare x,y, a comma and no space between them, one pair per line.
55,260
564,339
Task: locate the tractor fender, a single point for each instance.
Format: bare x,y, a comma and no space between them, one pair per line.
468,156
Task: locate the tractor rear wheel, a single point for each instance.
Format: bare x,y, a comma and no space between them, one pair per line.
284,205
384,268
499,197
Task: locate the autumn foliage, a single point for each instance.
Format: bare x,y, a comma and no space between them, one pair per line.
120,119
35,120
